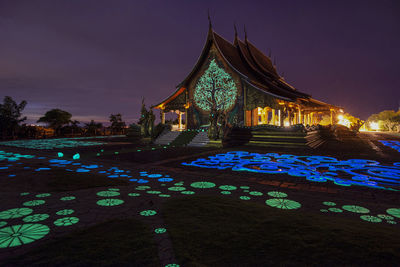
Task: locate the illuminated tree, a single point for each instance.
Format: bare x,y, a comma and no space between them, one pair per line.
389,119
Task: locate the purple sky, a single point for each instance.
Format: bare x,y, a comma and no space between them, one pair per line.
94,58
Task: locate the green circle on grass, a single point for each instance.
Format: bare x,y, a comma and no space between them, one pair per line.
164,195
245,187
329,203
24,194
160,230
370,218
148,213
33,203
255,193
355,209
202,185
113,189
43,195
335,210
21,234
245,198
142,187
109,202
391,222
15,213
67,198
2,224
36,218
323,210
394,212
66,221
226,192
385,216
187,192
176,188
277,194
133,194
227,187
65,212
153,192
107,194
283,203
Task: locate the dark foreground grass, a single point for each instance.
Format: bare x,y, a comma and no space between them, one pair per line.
56,181
212,231
114,243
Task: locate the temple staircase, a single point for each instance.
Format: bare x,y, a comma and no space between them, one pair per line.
167,138
289,139
201,139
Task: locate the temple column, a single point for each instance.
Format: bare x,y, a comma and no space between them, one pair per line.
162,116
180,119
300,118
273,117
280,117
331,117
186,118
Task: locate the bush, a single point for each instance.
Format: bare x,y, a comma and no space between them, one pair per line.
159,129
133,131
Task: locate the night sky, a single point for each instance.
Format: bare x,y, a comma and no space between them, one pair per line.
94,58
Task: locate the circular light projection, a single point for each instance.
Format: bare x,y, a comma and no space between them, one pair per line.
187,192
370,218
21,234
15,213
226,192
245,187
153,192
68,198
165,195
2,224
394,212
277,194
160,230
355,209
154,175
108,193
36,218
323,210
391,222
255,193
227,187
43,195
386,217
335,210
328,203
133,194
24,194
245,198
202,185
113,189
109,202
65,212
176,188
66,221
172,265
282,203
142,187
33,203
148,213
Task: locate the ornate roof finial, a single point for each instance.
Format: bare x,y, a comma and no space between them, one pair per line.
234,26
209,19
245,32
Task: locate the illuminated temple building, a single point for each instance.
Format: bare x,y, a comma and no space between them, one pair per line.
238,79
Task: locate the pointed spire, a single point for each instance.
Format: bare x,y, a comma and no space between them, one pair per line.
209,19
245,32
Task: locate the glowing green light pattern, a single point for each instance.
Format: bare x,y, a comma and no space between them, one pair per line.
255,193
335,210
172,265
65,212
246,191
36,218
76,156
245,198
160,230
226,192
108,193
21,234
2,224
153,192
277,194
133,194
394,212
178,184
35,202
187,192
323,210
109,202
217,87
228,187
391,222
328,203
66,221
386,217
43,195
244,187
142,187
283,203
176,188
165,195
148,213
15,213
24,194
67,198
355,209
202,185
370,218
113,189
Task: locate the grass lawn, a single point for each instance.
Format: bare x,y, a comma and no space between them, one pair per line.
120,242
56,181
214,231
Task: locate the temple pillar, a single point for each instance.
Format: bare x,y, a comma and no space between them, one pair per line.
186,118
162,116
331,117
280,117
180,119
300,117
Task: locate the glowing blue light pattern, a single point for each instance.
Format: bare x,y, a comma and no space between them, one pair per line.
359,172
393,144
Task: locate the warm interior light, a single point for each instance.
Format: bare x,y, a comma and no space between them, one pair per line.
374,125
286,123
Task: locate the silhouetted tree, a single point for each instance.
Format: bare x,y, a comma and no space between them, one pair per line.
117,125
56,118
10,116
92,128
